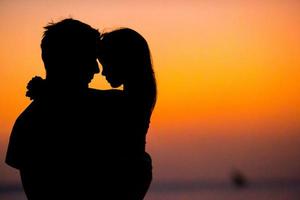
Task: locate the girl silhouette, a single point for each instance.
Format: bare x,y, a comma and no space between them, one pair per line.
126,60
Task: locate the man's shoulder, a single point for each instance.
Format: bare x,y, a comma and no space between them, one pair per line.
19,137
27,112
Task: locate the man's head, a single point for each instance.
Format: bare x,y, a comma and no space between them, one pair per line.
69,52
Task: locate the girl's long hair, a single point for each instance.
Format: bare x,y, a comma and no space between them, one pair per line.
131,51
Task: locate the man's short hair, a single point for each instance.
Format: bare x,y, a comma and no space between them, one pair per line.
65,40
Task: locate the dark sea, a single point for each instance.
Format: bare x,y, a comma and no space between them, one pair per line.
194,190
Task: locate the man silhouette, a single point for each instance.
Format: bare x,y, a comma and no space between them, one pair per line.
51,143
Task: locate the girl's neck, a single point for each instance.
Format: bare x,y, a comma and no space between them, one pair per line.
131,88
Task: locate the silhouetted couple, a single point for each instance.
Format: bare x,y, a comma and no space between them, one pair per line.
73,142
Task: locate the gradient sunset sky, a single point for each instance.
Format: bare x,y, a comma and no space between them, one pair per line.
228,76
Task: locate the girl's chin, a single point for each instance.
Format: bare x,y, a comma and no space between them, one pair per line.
115,85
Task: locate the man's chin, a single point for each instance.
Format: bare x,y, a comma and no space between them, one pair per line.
89,80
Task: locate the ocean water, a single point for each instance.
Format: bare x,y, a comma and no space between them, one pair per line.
262,190
285,194
227,196
204,191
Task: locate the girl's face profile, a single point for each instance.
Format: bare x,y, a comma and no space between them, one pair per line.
111,71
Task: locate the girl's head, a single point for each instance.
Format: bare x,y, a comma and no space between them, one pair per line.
125,57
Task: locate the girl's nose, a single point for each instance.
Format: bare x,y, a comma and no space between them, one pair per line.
103,73
96,68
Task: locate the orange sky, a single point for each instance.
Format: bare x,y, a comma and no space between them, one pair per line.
228,77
